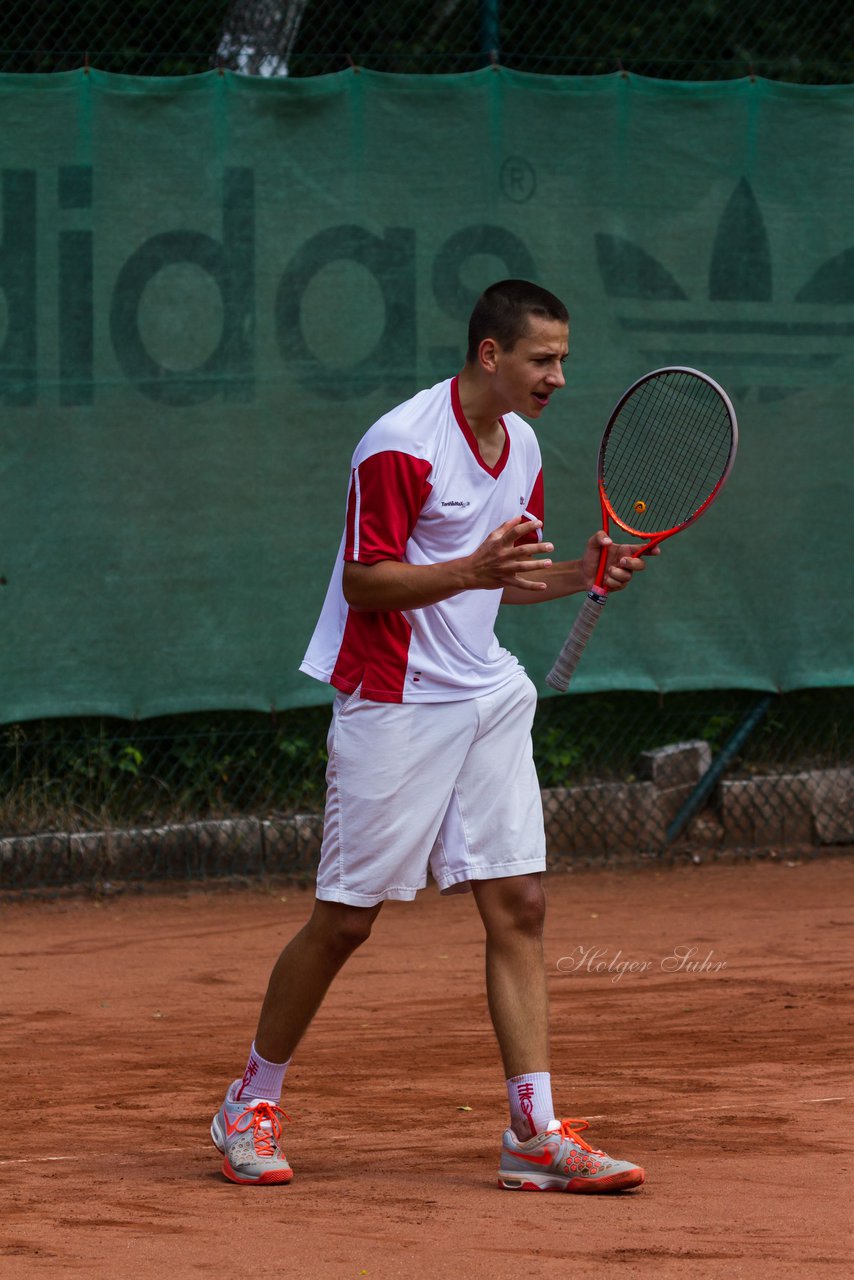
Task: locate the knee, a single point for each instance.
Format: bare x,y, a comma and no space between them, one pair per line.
529,912
522,910
341,929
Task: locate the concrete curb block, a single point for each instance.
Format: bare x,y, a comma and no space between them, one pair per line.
185,851
599,820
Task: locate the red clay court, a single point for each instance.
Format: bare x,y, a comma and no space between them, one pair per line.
730,1083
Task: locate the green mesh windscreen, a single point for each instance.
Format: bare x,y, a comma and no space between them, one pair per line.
210,287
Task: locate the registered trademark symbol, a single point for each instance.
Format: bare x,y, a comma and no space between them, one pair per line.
518,179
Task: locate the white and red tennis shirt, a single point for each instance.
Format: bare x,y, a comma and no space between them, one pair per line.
421,493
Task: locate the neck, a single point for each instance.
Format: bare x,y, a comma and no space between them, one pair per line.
478,403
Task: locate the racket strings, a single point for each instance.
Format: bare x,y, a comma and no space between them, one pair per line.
677,482
666,452
682,443
675,445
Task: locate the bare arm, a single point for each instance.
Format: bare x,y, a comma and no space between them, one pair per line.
564,578
498,562
567,577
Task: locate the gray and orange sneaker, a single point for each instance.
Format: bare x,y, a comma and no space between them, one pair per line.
560,1160
247,1134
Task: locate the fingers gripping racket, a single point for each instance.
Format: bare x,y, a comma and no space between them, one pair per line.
667,449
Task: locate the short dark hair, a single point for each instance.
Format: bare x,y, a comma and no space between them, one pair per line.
501,312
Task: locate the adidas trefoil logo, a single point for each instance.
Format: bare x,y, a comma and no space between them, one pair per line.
762,346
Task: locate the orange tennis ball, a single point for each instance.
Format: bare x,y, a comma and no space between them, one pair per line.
640,506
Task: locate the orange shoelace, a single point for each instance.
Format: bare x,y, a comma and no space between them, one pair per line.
258,1118
569,1129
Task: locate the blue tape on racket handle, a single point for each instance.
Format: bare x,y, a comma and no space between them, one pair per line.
573,647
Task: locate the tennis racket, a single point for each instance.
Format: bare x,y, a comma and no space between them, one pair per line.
667,449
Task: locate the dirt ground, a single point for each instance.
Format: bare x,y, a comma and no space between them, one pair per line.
702,1021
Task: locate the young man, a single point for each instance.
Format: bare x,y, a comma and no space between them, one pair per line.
430,760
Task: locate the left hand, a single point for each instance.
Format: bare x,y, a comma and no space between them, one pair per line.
621,565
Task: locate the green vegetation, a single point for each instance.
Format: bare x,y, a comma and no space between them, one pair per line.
94,773
602,735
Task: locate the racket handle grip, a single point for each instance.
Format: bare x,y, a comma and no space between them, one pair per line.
573,647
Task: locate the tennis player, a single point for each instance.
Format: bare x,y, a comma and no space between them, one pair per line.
430,759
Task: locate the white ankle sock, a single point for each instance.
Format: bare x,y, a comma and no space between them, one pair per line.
531,1106
261,1079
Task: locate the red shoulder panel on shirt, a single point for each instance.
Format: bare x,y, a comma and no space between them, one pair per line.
387,492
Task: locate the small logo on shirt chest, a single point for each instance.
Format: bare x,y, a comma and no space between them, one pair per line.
456,502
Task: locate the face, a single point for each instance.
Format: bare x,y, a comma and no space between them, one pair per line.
526,377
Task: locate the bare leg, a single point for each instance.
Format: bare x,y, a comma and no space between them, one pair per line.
513,910
304,972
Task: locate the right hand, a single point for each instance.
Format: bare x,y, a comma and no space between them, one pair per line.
499,562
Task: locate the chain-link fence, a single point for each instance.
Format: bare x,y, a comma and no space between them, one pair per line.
99,801
675,39
624,776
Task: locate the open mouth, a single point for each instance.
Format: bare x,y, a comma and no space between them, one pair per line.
541,399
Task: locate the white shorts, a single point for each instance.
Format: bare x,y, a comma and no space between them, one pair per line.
445,785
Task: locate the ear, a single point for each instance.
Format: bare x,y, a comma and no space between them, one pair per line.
487,354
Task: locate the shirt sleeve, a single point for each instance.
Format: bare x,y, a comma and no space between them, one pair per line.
387,493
